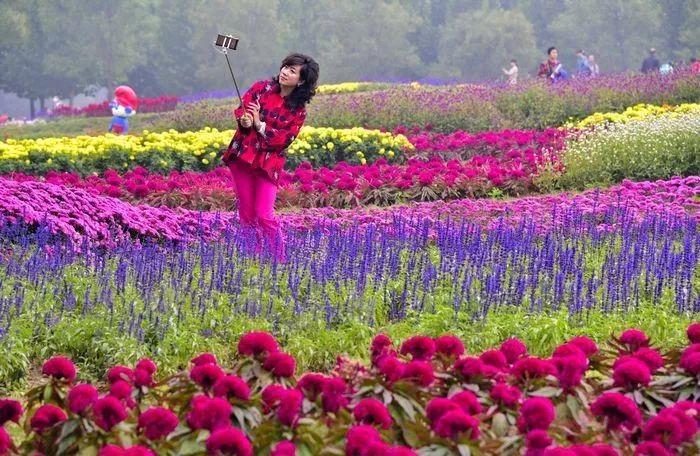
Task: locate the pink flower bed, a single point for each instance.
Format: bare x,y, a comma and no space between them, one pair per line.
80,214
625,397
155,104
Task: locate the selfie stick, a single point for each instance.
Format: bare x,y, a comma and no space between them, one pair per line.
222,44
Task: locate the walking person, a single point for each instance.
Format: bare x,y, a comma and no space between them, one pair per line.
272,114
582,67
551,68
512,72
593,65
651,63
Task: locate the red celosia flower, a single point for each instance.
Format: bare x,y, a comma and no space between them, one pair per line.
652,449
693,333
506,395
532,367
157,422
148,365
494,358
450,346
358,437
514,349
209,413
456,423
373,412
537,439
59,367
468,402
10,410
419,372
311,385
391,367
586,344
536,413
231,386
120,372
420,348
333,397
80,397
618,410
229,440
280,364
257,343
206,375
204,358
108,412
47,416
284,448
290,407
634,339
631,374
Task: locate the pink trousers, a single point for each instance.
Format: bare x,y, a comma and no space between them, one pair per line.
256,194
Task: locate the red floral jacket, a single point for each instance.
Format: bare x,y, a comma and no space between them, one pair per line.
265,150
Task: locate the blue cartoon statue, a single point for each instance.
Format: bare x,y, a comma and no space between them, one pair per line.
123,106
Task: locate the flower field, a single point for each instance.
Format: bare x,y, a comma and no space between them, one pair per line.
469,270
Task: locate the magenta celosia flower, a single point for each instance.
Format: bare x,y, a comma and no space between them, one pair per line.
257,344
358,437
631,374
373,412
634,339
148,365
290,407
229,440
157,422
136,450
663,428
652,449
536,413
206,375
420,348
280,364
537,439
311,384
506,395
333,397
438,406
570,369
450,346
419,372
380,345
494,358
209,413
272,394
513,349
456,423
532,367
651,357
473,369
81,397
284,448
693,333
690,360
586,344
617,410
108,411
5,441
10,410
231,386
391,367
46,416
120,389
204,358
59,367
120,372
468,402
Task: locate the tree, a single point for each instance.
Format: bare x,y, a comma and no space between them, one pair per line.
618,32
478,44
689,37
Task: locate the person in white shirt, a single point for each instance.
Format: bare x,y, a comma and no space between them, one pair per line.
512,72
595,70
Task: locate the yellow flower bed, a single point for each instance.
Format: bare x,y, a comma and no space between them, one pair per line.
637,112
187,150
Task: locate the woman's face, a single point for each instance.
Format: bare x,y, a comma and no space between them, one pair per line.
290,75
554,54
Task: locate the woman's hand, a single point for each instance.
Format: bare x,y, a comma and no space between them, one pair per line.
253,110
246,121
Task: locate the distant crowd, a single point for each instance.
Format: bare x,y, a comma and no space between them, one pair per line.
587,67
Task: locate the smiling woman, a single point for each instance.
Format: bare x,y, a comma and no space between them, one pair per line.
272,114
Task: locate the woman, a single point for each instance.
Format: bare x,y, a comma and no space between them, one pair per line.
272,114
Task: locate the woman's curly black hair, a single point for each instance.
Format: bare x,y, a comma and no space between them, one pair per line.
303,93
